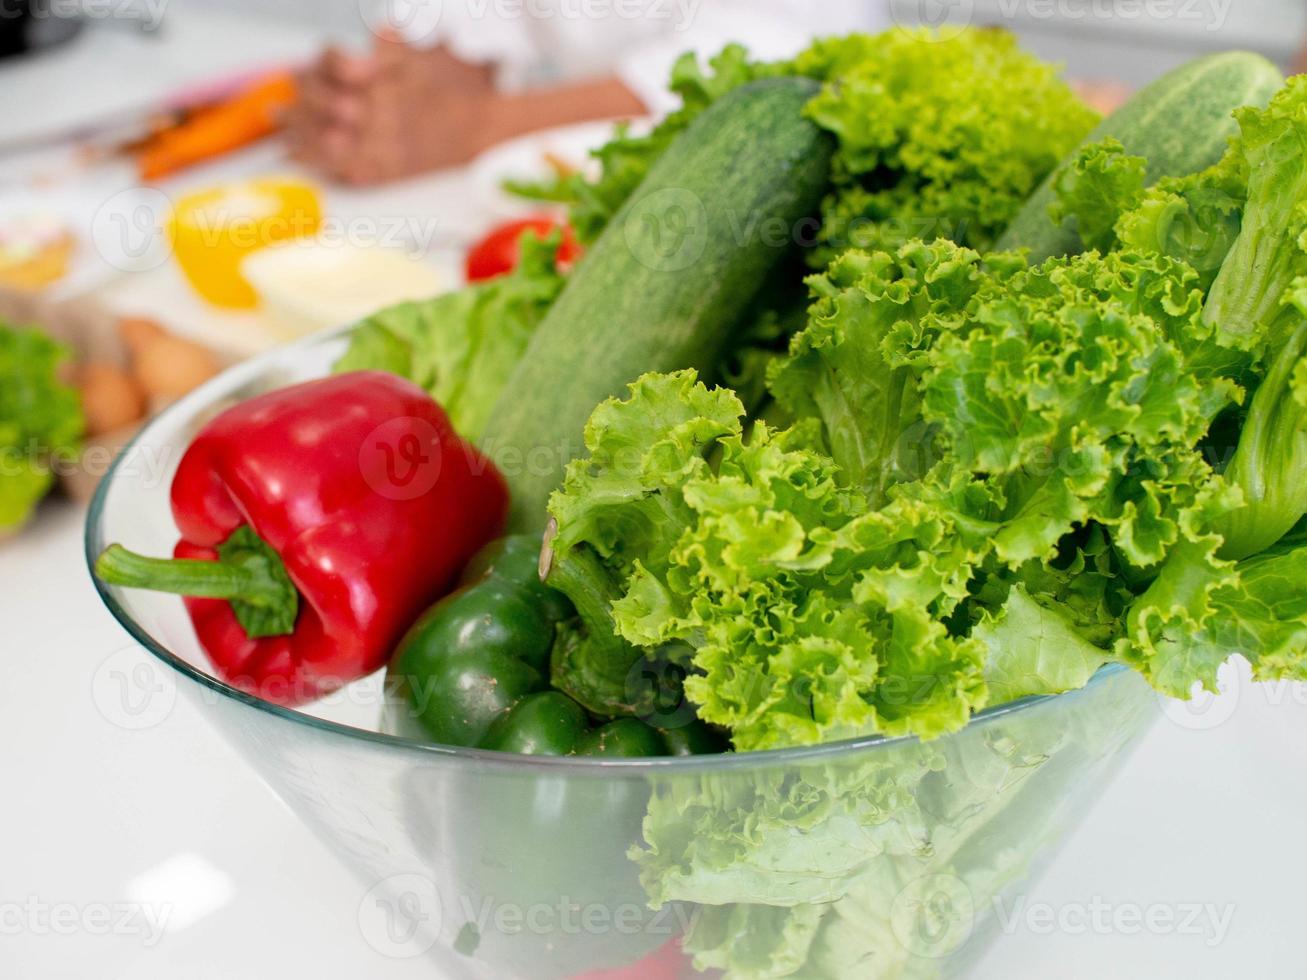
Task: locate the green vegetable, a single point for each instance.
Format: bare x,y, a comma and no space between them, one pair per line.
1270,463
1201,609
939,135
1032,647
473,671
548,723
40,420
666,284
623,738
997,478
970,126
1258,303
1229,587
961,423
1179,125
1100,183
1195,218
1248,299
878,864
462,346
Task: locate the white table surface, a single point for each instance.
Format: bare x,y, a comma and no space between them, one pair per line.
1209,812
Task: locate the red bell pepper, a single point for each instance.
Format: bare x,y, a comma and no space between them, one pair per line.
317,523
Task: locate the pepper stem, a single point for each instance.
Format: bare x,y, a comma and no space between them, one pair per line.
183,576
248,574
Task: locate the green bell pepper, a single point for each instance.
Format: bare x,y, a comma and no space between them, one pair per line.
475,671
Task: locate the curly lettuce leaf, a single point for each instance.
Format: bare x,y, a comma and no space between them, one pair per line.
1268,255
794,599
462,346
40,419
623,502
1070,390
1202,610
1195,218
873,864
1068,394
1259,303
857,365
1035,649
940,136
619,511
1100,183
775,837
821,588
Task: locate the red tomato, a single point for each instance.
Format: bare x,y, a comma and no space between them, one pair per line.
668,963
499,251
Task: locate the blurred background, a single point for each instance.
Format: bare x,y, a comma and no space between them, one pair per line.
354,150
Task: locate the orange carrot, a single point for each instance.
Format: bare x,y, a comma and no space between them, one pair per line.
218,129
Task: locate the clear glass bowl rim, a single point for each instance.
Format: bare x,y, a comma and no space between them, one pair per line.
94,543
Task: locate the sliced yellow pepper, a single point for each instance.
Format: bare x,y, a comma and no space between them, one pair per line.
214,230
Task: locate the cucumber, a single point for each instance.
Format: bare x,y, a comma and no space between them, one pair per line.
1180,124
666,283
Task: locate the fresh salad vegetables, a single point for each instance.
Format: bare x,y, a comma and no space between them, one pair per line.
997,477
317,521
933,137
938,136
931,477
958,478
879,864
1176,126
40,421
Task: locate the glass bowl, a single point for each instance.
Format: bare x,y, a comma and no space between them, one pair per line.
870,858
